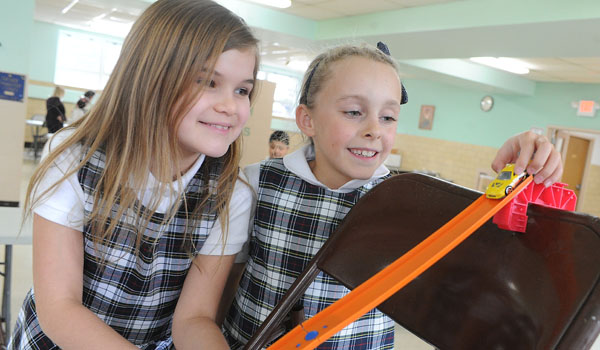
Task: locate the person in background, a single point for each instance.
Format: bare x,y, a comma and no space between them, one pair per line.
139,210
350,103
279,144
82,106
55,110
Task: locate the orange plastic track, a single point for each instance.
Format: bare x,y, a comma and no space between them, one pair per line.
388,281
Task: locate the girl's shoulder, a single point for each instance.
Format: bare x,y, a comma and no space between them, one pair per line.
252,174
69,157
253,171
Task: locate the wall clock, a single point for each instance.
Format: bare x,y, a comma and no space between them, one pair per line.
486,104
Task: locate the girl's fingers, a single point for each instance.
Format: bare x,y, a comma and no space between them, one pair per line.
543,153
527,146
506,154
551,172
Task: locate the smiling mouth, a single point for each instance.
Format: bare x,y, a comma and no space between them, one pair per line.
363,153
217,126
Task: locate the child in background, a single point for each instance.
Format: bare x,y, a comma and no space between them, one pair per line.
279,144
81,107
138,213
349,106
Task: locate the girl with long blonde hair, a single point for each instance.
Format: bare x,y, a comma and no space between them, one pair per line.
138,209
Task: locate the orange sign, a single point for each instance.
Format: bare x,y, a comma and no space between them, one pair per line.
586,108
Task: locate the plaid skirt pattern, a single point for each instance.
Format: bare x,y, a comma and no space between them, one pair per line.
292,222
133,291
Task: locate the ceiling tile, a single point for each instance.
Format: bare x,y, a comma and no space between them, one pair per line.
542,76
550,64
313,12
357,7
308,2
414,3
558,69
591,63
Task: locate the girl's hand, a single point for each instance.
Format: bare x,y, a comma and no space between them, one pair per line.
534,153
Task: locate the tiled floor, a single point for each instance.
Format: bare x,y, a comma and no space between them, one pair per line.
407,341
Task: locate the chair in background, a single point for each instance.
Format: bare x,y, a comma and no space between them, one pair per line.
38,123
496,290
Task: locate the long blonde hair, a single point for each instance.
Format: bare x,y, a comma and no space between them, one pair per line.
135,121
58,92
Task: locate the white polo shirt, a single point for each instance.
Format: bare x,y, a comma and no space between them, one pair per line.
65,204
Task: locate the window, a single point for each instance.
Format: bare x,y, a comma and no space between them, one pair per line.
85,60
287,86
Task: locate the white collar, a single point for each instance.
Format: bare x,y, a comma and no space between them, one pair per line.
185,178
297,163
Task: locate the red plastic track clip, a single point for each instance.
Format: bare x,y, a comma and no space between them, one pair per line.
513,216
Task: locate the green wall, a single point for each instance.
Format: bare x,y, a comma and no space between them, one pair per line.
44,44
459,118
15,35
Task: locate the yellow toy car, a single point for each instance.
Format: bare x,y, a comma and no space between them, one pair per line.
504,183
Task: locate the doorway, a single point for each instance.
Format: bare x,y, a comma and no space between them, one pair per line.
576,147
575,158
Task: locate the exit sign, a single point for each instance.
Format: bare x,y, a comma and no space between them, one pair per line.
587,108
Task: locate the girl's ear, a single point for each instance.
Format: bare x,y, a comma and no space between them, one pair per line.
304,120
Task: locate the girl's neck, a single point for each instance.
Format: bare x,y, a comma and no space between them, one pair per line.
330,181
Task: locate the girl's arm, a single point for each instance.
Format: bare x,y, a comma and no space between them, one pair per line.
194,325
58,286
231,287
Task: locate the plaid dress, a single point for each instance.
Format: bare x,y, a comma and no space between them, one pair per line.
135,292
293,220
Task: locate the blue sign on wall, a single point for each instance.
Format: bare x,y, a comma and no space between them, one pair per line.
12,86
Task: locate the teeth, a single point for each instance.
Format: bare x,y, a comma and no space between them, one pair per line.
221,127
364,153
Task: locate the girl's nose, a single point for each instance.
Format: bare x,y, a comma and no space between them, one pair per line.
225,104
372,127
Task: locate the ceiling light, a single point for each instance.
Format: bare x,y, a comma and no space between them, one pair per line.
99,17
110,27
504,63
71,4
282,4
298,64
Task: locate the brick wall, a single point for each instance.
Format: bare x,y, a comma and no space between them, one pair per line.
461,163
458,162
591,197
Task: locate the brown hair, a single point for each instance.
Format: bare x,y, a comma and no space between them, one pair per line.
135,121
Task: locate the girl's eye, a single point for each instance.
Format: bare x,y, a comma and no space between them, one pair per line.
353,113
209,83
243,91
387,118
